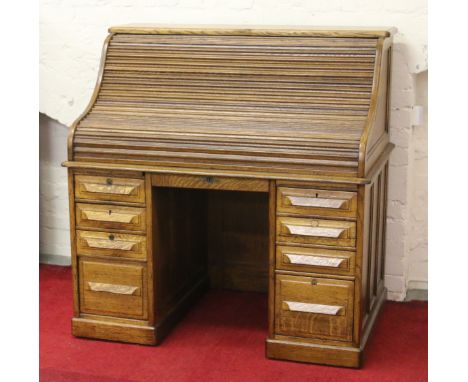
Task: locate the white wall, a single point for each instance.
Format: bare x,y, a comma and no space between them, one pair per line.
54,237
72,33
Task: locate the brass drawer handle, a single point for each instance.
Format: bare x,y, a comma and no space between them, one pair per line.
111,237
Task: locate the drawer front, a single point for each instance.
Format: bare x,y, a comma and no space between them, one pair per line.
315,260
210,182
113,289
109,216
111,244
314,307
316,202
316,231
110,188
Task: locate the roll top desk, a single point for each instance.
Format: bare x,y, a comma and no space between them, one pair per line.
250,159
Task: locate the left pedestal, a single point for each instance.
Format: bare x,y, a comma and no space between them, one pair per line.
110,222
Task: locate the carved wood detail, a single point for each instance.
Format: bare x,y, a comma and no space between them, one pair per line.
315,231
318,261
315,202
111,244
295,306
100,188
106,216
109,216
121,245
112,288
110,188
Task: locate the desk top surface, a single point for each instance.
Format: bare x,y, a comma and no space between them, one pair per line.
256,30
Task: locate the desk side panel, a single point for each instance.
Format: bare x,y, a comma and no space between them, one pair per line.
375,138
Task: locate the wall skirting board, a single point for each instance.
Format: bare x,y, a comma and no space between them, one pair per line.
64,261
417,295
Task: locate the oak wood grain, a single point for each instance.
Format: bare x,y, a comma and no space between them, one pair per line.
315,260
110,217
240,30
285,100
314,307
108,288
181,120
316,231
110,188
111,244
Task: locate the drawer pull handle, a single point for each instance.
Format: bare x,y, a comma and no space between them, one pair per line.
317,261
112,288
120,245
109,188
330,310
300,230
109,216
302,201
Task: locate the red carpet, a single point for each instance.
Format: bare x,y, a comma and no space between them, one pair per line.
221,339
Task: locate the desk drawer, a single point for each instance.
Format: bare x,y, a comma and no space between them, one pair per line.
315,260
316,231
113,289
110,217
316,202
111,244
110,188
314,307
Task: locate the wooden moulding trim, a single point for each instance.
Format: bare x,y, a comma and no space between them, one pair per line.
214,172
380,162
256,30
237,174
97,88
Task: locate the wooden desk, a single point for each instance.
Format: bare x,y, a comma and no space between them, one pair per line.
250,159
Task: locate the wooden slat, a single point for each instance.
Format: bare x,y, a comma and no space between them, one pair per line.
291,101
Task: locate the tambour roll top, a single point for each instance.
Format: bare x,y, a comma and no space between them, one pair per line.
258,100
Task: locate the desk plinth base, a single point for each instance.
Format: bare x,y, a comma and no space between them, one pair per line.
313,353
112,331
